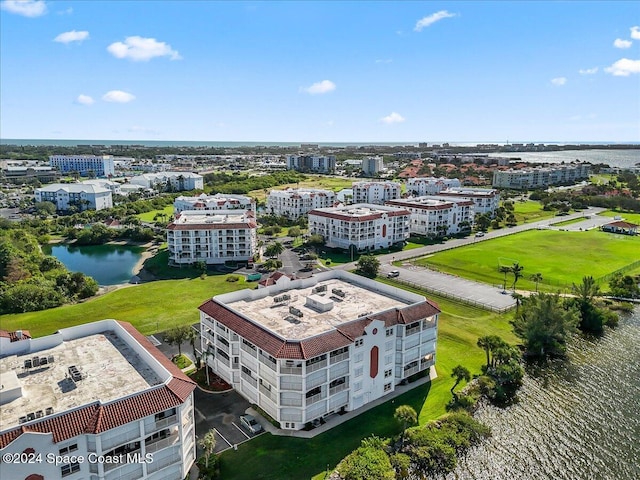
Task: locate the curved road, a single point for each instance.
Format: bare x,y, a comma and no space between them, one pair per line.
481,294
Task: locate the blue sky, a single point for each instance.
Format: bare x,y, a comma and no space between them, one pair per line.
320,71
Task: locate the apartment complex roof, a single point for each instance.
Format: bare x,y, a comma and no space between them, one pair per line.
359,212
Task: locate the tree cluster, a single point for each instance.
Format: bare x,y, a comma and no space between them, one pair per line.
30,280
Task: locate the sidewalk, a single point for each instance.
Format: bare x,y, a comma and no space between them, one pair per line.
335,420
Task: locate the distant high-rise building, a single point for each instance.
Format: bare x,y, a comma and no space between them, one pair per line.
85,165
312,163
372,166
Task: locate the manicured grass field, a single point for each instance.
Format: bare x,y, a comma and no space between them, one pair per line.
629,217
272,457
314,181
530,211
150,307
562,258
568,222
148,216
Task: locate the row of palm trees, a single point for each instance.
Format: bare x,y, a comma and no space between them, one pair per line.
516,269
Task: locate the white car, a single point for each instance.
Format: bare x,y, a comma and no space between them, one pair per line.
250,423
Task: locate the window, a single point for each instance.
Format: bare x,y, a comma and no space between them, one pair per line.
69,469
359,342
69,448
387,373
387,387
389,332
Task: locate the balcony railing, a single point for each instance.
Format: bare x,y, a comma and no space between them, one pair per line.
162,463
130,453
411,371
162,423
297,386
316,366
250,379
126,437
162,443
411,331
338,388
339,358
268,362
316,398
291,402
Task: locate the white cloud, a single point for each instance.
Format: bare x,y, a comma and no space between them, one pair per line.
140,49
318,88
393,117
26,8
635,33
72,36
559,81
620,43
431,19
588,71
118,96
624,67
85,100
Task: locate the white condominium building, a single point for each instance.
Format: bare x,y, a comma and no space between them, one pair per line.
375,192
438,216
320,345
366,226
312,163
178,181
485,200
79,195
212,236
540,177
295,202
430,185
115,187
97,401
372,165
100,166
219,201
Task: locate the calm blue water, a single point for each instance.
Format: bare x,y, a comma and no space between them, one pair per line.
576,420
108,264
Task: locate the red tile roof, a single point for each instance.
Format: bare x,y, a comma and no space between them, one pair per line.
97,417
342,336
13,336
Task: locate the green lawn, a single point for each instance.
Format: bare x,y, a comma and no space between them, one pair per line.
629,217
148,216
562,258
272,457
151,307
530,211
568,222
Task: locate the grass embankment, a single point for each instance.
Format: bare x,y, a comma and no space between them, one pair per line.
272,457
149,216
562,258
150,307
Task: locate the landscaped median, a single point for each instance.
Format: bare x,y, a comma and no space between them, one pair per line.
280,458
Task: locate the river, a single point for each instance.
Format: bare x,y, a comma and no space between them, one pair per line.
108,264
576,419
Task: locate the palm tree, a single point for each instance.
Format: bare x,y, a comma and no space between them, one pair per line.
192,337
586,290
208,443
518,298
516,269
536,277
274,249
406,415
459,373
504,269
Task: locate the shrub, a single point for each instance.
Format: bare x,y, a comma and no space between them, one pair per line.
233,278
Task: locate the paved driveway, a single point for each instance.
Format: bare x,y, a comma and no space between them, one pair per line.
221,411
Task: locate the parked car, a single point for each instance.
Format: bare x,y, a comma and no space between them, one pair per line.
480,234
393,274
250,423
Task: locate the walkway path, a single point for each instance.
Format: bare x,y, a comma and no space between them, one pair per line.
475,293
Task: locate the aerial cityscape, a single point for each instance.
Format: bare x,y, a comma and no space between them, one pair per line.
319,240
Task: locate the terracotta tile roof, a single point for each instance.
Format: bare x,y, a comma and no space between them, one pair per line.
97,418
342,336
618,224
13,336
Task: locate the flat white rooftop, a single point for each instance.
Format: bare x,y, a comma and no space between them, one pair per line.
198,217
109,368
323,307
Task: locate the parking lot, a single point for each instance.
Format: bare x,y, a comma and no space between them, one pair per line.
221,411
